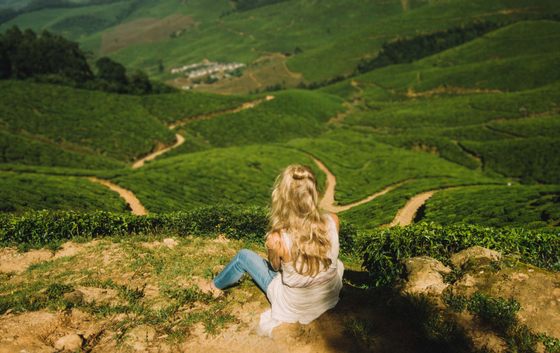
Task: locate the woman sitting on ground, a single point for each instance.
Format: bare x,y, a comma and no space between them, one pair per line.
303,276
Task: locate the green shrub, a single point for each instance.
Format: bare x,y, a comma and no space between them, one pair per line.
39,228
383,250
496,312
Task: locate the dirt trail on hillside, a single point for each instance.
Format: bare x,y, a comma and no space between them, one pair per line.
135,204
180,139
328,203
244,106
406,215
139,163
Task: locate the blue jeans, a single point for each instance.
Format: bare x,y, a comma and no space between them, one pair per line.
246,261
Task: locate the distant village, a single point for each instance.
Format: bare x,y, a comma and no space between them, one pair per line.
207,72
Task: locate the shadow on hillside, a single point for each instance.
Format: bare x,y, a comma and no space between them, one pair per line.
371,320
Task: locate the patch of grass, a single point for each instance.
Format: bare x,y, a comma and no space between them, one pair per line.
529,206
360,329
177,106
364,166
290,115
500,315
25,191
97,123
35,296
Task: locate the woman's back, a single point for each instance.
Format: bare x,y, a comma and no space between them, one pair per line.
292,278
302,298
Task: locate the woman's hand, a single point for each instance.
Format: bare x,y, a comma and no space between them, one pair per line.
276,249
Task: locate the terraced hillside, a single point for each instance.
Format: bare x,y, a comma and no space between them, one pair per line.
440,113
283,43
482,114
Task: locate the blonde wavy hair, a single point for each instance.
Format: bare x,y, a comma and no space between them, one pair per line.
295,209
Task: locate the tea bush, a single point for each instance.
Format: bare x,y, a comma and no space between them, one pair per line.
40,228
383,250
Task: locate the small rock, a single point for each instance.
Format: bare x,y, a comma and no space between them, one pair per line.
475,256
425,275
466,281
75,297
170,242
69,343
140,337
519,277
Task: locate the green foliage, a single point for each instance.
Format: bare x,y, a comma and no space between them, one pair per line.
110,70
532,160
237,175
81,24
116,126
498,313
54,59
24,192
35,297
382,210
410,49
364,166
528,206
39,228
30,55
291,114
27,149
384,250
177,106
244,5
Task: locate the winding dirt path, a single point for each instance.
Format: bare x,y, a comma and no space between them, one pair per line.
180,139
244,106
127,195
327,202
406,215
135,204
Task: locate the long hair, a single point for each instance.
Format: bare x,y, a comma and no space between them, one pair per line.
294,209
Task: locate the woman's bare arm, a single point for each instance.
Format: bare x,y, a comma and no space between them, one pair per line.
276,250
336,221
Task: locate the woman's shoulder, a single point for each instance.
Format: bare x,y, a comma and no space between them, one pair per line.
334,219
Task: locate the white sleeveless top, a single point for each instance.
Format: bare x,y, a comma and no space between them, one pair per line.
298,298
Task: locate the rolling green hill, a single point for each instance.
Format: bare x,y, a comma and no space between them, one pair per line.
476,116
24,192
53,125
328,38
443,113
235,175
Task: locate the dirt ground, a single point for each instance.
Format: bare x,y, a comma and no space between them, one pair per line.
101,275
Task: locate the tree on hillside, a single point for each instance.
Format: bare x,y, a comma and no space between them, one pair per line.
51,58
111,71
29,55
140,83
63,57
5,66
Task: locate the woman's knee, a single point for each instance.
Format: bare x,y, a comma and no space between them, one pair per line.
244,254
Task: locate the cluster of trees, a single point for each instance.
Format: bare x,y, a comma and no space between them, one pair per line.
244,5
409,49
51,58
319,84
